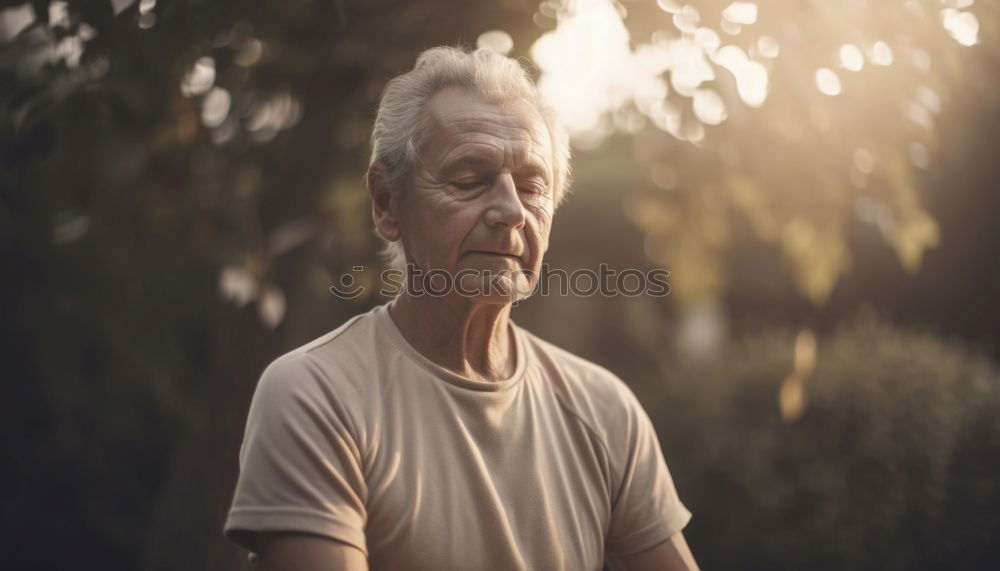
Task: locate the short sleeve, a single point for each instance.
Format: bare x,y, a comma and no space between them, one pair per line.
647,509
300,465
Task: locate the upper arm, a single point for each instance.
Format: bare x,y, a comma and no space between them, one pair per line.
301,552
300,463
670,555
646,509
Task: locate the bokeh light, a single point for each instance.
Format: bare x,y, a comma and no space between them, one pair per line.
827,81
851,57
702,69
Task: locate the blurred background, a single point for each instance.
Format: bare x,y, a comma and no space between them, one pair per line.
181,185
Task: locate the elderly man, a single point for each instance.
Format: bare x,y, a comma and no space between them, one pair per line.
432,433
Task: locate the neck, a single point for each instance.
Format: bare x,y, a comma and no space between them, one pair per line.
471,339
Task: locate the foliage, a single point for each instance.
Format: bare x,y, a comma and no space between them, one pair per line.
180,182
796,117
891,466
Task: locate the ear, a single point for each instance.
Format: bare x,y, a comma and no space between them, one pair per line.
385,204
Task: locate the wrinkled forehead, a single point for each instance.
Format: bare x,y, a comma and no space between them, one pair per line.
512,131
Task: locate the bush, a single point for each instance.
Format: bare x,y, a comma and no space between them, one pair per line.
893,463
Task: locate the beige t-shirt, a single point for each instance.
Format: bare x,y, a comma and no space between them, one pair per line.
358,437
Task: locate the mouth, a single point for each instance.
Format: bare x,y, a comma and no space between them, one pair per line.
496,254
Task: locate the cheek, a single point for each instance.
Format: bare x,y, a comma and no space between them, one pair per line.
543,217
444,222
540,230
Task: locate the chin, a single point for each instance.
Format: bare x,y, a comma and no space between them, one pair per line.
488,285
497,300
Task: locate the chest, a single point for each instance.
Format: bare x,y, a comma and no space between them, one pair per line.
517,482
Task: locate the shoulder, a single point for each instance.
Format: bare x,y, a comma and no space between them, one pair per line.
339,357
328,376
597,396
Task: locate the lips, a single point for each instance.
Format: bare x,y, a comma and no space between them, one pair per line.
491,253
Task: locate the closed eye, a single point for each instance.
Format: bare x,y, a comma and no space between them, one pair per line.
534,188
534,185
470,185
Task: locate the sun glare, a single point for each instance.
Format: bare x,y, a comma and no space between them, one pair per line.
599,76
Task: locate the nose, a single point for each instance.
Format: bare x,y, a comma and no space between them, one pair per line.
505,207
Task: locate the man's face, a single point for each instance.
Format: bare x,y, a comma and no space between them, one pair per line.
480,201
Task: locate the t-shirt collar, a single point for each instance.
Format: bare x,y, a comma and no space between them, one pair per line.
396,336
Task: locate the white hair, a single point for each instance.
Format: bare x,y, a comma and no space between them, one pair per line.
401,127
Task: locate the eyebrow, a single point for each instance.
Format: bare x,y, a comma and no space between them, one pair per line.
535,168
471,160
